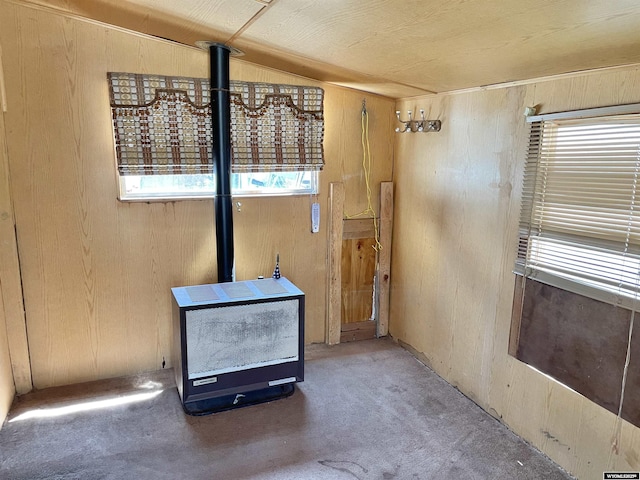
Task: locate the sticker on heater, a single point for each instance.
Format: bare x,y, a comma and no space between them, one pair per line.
282,381
205,381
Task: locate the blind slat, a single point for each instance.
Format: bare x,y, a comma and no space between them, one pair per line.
580,218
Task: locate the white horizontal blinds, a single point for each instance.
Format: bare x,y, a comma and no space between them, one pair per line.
528,194
580,222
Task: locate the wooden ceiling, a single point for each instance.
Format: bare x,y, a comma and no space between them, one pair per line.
396,48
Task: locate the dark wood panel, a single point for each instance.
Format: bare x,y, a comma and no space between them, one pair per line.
582,343
352,332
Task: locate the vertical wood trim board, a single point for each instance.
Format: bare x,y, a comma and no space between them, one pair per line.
3,90
334,296
7,387
384,257
10,279
516,315
7,384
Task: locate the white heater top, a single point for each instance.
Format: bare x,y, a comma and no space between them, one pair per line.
232,292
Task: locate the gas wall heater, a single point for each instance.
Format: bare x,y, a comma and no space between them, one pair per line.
235,343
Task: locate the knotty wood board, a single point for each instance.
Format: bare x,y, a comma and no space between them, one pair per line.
384,257
334,270
358,228
358,271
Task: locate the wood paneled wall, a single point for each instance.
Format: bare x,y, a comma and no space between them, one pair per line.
455,229
7,388
7,237
96,272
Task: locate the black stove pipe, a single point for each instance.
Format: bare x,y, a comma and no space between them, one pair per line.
221,136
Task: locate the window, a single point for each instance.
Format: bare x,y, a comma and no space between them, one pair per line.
578,285
164,187
580,221
162,134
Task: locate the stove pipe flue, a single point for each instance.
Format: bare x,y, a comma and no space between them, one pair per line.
221,137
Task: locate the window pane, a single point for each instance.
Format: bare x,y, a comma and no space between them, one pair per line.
265,183
157,187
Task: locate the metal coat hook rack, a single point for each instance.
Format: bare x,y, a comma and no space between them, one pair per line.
421,125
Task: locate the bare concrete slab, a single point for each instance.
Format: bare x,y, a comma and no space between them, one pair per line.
367,410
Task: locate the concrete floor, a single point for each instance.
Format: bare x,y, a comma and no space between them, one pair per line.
366,410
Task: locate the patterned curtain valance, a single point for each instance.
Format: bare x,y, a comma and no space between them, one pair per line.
162,125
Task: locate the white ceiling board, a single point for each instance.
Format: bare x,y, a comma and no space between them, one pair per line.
396,48
440,46
221,15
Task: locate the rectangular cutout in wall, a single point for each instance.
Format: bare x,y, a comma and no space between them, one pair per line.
582,343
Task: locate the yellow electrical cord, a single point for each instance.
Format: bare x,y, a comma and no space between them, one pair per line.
366,167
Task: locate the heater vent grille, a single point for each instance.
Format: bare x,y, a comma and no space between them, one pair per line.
241,337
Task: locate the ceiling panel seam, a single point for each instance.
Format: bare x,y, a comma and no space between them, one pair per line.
265,6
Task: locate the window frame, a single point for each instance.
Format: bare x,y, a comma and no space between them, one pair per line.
155,196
